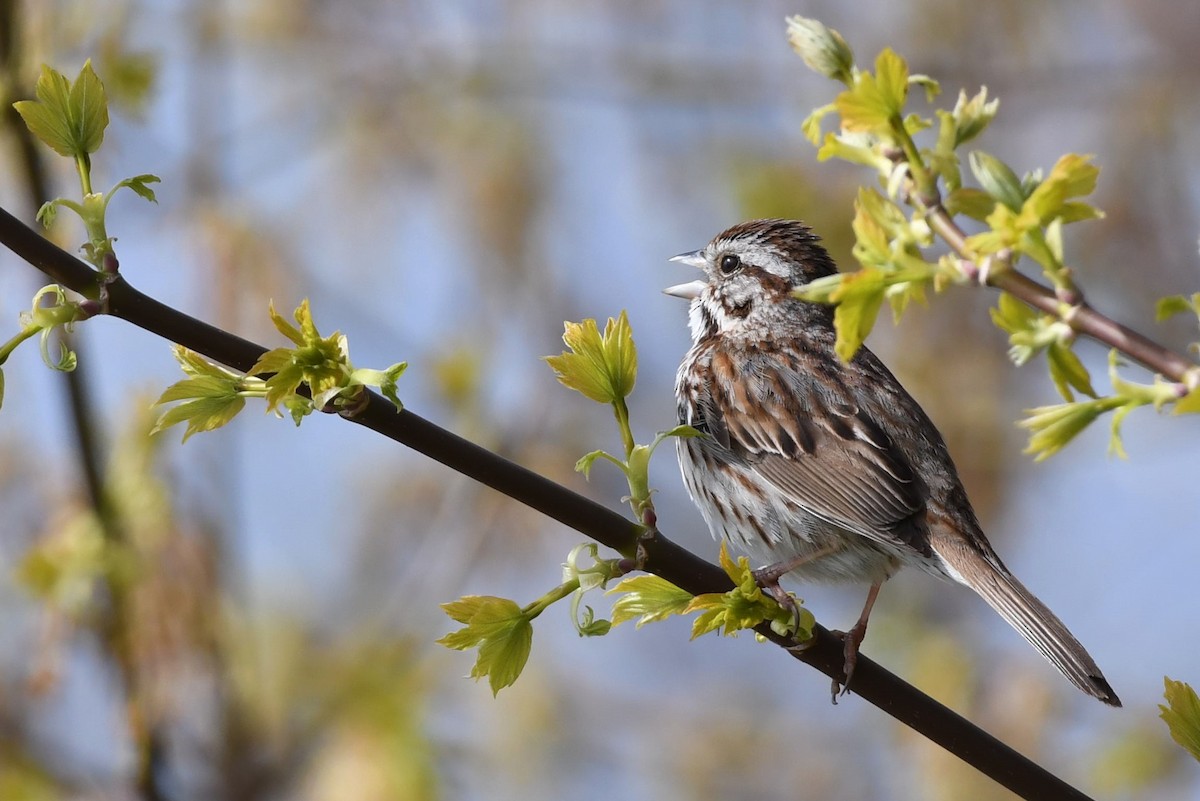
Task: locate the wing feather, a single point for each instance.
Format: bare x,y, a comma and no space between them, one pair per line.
826,453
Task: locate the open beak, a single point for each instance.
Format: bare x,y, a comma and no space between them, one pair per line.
688,291
693,258
692,289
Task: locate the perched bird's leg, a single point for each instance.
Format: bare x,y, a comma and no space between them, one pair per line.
768,577
852,639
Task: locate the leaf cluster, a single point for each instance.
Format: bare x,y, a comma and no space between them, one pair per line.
920,166
315,374
646,599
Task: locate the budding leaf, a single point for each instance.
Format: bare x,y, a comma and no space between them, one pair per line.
584,465
322,363
601,367
1067,371
997,179
743,607
1182,715
138,184
1052,427
68,117
647,599
972,116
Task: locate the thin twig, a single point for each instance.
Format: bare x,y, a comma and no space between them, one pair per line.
1074,311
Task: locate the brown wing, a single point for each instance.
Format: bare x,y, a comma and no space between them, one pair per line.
819,448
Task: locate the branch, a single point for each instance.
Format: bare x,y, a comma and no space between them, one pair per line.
664,558
1072,310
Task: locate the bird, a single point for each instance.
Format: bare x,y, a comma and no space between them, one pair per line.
827,470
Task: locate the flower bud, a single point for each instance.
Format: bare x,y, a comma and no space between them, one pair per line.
823,49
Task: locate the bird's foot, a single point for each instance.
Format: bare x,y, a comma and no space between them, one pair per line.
851,640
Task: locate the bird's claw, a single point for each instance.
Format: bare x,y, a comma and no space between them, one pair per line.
851,640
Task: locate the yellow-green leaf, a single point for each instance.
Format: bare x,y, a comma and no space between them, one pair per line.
859,297
1073,175
1067,371
500,629
873,102
975,203
1182,715
647,599
1176,304
1052,427
68,117
1189,403
997,179
601,367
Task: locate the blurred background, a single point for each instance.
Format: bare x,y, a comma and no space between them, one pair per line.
448,182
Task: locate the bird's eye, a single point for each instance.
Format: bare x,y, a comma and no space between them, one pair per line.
730,264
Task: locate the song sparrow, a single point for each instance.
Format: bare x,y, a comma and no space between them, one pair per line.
827,470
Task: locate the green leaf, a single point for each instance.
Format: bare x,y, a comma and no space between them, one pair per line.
1176,304
859,298
997,179
1188,404
972,116
1052,427
811,126
500,629
1073,175
601,367
47,213
287,329
873,102
138,184
1182,715
823,49
683,432
384,380
202,414
211,395
647,599
209,402
89,108
584,465
1067,371
502,658
932,90
743,607
1115,446
975,203
849,148
321,363
69,118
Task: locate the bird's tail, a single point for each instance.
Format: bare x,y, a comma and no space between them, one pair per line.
1042,628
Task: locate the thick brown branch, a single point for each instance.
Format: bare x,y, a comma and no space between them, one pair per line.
873,683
